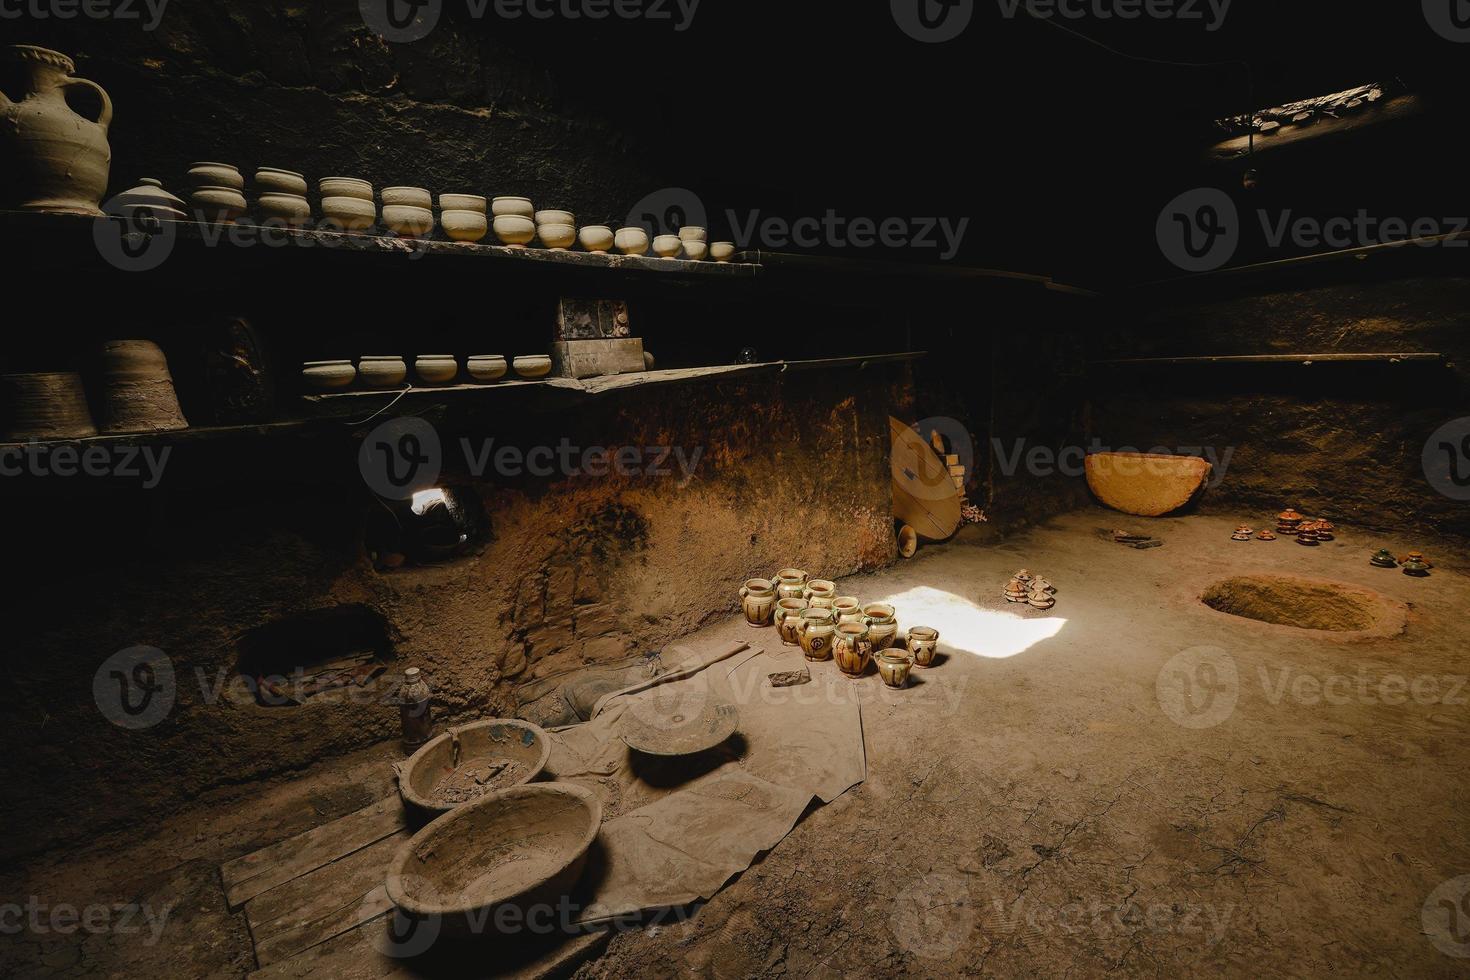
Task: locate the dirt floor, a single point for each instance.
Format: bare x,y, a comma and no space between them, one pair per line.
1130,782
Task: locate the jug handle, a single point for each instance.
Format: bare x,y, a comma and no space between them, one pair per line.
104,118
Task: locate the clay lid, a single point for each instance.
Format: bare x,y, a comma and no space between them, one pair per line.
1289,515
148,197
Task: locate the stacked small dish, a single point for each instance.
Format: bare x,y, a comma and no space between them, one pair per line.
408,211
556,229
514,221
347,202
462,216
282,196
217,191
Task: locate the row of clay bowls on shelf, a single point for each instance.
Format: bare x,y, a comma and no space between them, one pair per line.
218,193
391,370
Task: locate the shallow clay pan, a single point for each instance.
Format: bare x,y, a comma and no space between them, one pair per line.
521,847
672,724
1145,484
470,761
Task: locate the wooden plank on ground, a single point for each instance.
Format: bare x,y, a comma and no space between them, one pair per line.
315,907
253,874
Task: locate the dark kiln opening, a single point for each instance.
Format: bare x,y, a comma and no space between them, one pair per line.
291,660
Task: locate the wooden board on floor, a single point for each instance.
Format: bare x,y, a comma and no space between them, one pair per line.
253,874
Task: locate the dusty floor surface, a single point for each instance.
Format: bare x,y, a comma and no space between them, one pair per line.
1128,783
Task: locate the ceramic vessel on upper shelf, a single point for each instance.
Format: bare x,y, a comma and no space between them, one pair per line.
631,241
693,233
520,207
597,239
209,174
411,197
514,230
148,199
557,237
667,246
53,136
532,366
695,251
217,204
382,370
408,220
436,369
487,367
722,251
328,375
271,180
463,225
353,187
463,202
293,209
350,213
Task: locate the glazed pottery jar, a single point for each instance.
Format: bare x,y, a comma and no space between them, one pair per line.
852,648
436,369
270,180
815,633
532,366
208,174
56,157
352,187
819,588
382,370
487,367
922,642
788,620
349,213
848,609
596,239
327,375
43,406
790,583
882,622
758,601
463,226
722,251
631,241
138,391
894,667
514,230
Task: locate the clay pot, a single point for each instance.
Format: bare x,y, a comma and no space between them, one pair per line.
848,609
487,367
1416,568
408,197
922,642
217,204
148,199
693,233
328,375
207,174
631,241
463,226
519,207
815,633
56,158
514,230
1384,559
271,180
722,251
292,209
787,618
436,369
382,370
894,667
667,246
353,187
597,239
695,251
820,593
463,202
758,601
349,213
42,406
852,648
908,542
554,217
408,220
557,237
882,624
1016,590
532,366
790,584
138,391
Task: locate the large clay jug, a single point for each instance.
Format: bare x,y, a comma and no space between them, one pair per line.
52,156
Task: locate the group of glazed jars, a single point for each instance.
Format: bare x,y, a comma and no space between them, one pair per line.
809,613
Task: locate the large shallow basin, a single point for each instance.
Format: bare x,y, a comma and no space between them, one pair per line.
469,761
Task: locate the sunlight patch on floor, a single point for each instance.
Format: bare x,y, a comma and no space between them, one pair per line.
965,627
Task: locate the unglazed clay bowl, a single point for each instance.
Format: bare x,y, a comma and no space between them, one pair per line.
408,220
667,246
514,230
352,187
494,739
217,203
631,241
349,213
293,209
532,366
722,251
382,370
463,202
436,369
271,180
463,226
410,197
486,368
553,217
695,251
597,239
693,233
520,207
557,237
207,174
328,375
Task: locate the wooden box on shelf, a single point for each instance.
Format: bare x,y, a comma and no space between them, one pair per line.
595,358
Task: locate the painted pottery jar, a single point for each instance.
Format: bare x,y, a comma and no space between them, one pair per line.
790,583
820,593
57,158
816,632
852,648
894,667
788,620
848,609
758,601
882,624
922,643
